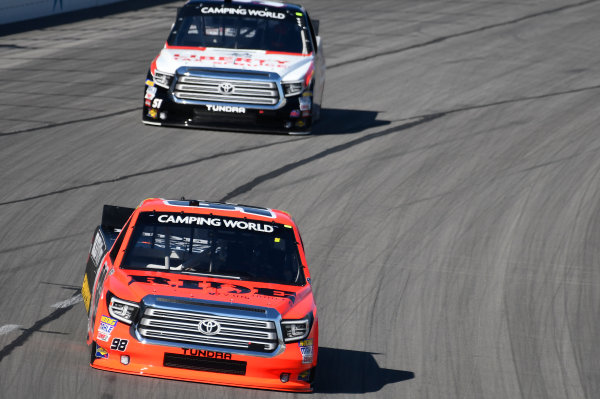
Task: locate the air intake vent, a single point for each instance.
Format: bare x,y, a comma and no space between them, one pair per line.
203,364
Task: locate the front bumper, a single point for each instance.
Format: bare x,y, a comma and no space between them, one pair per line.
207,365
161,110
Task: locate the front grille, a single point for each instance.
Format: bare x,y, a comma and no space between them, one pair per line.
204,364
183,327
211,88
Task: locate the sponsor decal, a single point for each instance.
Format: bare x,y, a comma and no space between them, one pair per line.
205,353
300,124
306,349
150,93
217,222
148,103
149,83
295,113
214,288
227,60
305,103
101,353
85,292
108,320
304,376
226,108
103,336
97,250
242,11
119,344
107,324
305,113
153,113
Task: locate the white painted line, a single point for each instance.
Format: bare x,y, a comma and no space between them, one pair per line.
8,328
68,302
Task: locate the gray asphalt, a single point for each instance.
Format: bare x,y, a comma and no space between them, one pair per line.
449,200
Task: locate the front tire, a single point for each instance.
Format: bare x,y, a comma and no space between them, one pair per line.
92,352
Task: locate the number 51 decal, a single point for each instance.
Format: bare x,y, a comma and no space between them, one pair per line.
157,103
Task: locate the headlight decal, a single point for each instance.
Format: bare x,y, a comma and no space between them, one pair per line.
122,310
292,88
296,330
162,79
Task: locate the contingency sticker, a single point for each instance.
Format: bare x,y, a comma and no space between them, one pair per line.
304,376
306,348
102,336
150,93
85,293
101,353
107,324
97,250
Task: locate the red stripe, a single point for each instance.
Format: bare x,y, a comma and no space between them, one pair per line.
184,48
284,53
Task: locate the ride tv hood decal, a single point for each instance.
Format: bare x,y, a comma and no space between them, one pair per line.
172,58
216,222
211,287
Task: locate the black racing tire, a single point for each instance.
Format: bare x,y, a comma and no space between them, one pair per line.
92,352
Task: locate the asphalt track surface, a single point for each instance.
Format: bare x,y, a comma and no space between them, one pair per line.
449,200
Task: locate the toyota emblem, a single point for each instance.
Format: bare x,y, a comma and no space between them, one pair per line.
225,88
209,327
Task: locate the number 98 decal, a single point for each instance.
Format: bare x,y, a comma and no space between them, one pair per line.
119,344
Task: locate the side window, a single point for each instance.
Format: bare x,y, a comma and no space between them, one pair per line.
117,245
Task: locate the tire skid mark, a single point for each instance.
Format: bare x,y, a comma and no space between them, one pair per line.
421,119
508,101
460,34
340,147
58,124
260,179
36,327
21,247
146,172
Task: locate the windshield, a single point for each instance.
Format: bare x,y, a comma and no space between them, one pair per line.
276,29
214,246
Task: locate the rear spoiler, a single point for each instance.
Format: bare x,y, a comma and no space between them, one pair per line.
114,217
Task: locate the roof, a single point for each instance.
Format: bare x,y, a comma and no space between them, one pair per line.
225,209
260,3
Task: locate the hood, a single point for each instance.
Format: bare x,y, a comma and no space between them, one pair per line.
276,296
295,65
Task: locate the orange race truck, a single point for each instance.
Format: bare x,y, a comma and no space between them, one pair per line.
201,291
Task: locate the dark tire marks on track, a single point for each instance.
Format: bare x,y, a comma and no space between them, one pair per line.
461,34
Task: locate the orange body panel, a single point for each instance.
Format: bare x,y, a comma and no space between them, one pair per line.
111,339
